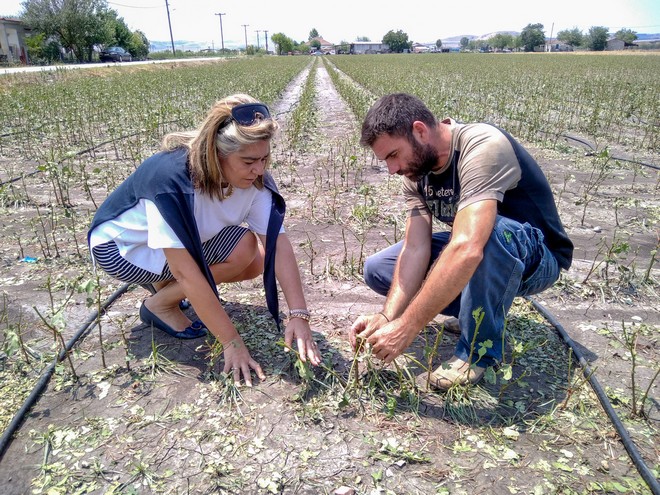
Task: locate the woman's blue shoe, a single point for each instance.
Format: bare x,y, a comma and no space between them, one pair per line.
194,331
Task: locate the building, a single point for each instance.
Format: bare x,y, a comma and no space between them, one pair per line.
615,44
362,47
326,47
12,41
554,45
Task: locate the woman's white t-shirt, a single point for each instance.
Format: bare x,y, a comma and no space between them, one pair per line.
141,233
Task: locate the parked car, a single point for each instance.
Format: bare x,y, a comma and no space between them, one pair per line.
115,54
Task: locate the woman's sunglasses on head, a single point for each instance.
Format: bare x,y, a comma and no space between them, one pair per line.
247,114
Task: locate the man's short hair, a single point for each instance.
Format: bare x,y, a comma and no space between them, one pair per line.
394,115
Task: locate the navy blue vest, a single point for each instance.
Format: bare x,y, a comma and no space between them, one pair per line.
530,201
165,180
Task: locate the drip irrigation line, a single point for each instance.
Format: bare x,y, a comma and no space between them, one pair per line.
86,150
593,149
636,457
41,385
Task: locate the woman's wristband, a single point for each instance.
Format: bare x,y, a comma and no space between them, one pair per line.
303,314
384,316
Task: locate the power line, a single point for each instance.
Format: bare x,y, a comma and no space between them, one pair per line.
136,6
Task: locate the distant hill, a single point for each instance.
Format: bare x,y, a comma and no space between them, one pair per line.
194,46
455,41
648,37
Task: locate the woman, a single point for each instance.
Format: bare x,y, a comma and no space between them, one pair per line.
177,223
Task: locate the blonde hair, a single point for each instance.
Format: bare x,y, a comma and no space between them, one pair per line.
216,138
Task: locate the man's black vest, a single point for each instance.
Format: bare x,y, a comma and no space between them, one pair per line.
530,201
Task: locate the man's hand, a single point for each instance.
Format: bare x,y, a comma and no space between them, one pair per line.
391,340
363,327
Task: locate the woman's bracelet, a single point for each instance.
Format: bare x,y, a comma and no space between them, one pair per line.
235,342
384,316
303,314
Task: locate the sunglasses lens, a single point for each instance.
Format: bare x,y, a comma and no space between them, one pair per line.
249,113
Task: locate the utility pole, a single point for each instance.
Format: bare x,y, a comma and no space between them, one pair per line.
167,6
245,26
266,36
257,31
222,37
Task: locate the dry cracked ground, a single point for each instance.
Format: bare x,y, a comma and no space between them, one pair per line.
149,414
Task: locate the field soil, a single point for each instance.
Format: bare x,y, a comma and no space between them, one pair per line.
151,414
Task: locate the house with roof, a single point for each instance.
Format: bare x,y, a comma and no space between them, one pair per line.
554,45
12,41
325,46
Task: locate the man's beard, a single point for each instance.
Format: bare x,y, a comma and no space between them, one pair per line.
425,159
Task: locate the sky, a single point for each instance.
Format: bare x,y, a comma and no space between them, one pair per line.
424,21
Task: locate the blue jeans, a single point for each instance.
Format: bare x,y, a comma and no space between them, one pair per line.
516,262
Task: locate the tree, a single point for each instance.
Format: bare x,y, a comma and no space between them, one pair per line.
480,45
465,41
313,34
316,44
363,38
517,43
398,42
283,43
596,40
626,35
78,25
301,47
501,41
117,29
532,36
41,50
139,45
438,43
344,47
573,37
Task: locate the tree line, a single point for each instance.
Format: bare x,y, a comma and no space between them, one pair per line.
78,27
531,37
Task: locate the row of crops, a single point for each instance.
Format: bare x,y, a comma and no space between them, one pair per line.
68,137
606,99
50,117
79,133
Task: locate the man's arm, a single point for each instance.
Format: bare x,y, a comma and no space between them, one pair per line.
409,273
411,266
450,273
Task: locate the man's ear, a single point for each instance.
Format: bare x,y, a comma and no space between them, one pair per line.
420,132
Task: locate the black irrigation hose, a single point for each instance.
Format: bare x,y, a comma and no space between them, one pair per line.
636,457
41,385
593,149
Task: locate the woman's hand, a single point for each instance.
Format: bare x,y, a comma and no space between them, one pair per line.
238,360
298,329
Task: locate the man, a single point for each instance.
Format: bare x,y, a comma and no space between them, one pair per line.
506,238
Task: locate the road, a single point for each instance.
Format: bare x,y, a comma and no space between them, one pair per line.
45,68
